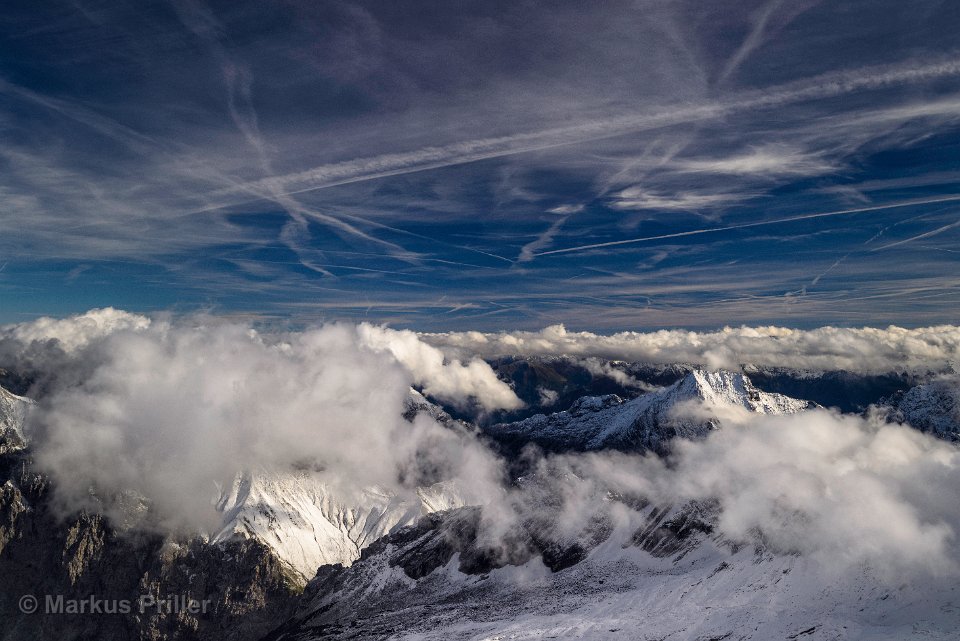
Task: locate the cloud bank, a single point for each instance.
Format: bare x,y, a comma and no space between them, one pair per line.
843,489
850,492
169,409
865,349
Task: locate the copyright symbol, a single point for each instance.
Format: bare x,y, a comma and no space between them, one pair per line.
28,604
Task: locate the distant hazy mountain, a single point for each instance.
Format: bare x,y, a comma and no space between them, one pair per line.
847,391
554,383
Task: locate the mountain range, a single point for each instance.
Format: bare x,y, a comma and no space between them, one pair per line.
648,422
294,559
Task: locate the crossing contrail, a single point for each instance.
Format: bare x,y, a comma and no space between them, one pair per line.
778,221
439,156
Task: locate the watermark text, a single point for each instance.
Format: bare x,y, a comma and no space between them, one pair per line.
144,604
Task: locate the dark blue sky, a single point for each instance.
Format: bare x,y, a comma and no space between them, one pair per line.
458,165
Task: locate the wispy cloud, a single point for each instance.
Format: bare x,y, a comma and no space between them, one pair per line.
772,16
640,198
766,161
238,81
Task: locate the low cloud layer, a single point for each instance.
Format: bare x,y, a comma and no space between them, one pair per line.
865,350
169,409
843,489
848,491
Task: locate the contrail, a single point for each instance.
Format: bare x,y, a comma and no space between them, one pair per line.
200,21
928,234
436,157
713,230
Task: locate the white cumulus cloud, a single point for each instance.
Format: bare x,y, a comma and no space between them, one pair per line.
450,380
75,332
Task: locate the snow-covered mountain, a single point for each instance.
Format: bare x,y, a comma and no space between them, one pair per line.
932,407
277,529
647,422
416,566
306,523
417,403
555,383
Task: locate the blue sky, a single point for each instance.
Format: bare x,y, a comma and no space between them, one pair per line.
483,165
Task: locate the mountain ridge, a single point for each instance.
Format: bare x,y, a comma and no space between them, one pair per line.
648,422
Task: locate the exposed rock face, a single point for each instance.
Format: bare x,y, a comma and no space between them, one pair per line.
13,412
648,422
674,577
441,564
670,532
245,586
933,407
241,587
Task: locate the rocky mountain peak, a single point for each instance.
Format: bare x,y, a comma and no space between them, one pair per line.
648,422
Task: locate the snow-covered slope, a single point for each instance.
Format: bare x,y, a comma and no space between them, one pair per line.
13,413
307,523
417,403
647,422
933,407
667,581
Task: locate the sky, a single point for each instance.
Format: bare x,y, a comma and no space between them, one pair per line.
483,165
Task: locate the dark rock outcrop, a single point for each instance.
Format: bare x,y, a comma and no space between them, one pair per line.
240,587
